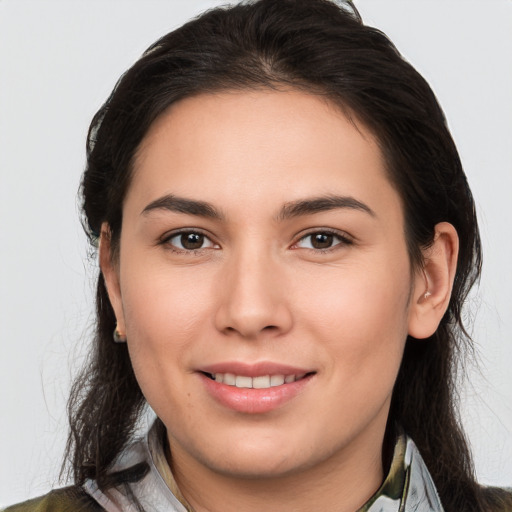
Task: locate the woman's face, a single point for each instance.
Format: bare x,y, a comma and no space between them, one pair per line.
264,283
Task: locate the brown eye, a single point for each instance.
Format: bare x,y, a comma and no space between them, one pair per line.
189,241
192,240
321,240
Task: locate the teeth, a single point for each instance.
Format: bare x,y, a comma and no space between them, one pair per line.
260,382
277,380
243,382
229,379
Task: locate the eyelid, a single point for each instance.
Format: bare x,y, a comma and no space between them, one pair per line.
343,237
165,239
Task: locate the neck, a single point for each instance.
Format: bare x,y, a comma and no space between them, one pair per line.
343,482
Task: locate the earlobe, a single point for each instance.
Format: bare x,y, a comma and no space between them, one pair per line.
110,273
434,282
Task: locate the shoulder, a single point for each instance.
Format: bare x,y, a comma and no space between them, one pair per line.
68,499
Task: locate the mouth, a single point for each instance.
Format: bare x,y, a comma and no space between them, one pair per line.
255,388
258,382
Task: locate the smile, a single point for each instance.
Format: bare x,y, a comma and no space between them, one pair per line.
260,382
259,392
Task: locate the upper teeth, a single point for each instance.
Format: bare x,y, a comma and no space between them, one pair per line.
262,382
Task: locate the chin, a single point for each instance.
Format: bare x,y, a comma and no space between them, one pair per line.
260,457
260,466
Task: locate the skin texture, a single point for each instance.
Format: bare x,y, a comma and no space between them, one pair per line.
257,290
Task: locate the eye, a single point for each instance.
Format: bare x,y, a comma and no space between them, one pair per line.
189,241
322,240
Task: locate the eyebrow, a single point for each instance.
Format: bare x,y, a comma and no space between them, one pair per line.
177,204
322,204
289,210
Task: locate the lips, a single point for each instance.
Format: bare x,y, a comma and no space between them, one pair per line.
254,388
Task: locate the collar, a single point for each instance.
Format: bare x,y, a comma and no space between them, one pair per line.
408,486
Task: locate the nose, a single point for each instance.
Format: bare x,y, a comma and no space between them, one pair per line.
254,301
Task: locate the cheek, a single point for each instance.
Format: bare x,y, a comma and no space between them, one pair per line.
164,306
359,299
161,328
165,313
360,316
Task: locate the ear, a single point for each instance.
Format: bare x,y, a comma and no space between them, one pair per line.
433,283
110,271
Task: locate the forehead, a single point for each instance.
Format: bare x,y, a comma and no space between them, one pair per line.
248,145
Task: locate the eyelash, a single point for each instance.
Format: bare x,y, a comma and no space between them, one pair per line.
166,240
343,240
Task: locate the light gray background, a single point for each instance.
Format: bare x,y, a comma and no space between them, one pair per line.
58,62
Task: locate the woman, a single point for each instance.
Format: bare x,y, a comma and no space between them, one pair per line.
286,238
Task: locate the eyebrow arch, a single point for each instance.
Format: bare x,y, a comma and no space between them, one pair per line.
178,204
321,204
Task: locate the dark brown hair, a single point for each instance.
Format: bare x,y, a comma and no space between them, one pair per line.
323,48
